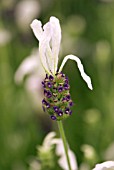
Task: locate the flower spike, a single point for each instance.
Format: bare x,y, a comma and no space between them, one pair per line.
80,67
57,100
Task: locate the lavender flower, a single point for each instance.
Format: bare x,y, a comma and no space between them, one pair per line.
56,85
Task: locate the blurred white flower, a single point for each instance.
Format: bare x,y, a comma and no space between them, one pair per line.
25,11
48,144
31,69
84,166
61,153
88,150
49,38
89,153
5,37
108,165
109,153
48,141
63,162
35,165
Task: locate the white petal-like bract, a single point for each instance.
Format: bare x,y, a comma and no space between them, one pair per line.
80,67
36,25
49,38
56,40
108,165
61,153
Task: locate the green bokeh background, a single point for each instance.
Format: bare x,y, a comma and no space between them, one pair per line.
88,32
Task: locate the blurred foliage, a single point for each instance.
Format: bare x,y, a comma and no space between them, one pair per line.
88,31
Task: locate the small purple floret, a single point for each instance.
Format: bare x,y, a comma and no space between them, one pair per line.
46,76
47,105
44,101
53,117
63,75
49,94
49,84
43,108
43,84
60,113
70,112
56,109
60,89
66,81
51,78
68,97
67,110
66,86
64,98
71,103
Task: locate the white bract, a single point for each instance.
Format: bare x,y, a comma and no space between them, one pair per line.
62,157
49,38
31,73
48,143
5,37
29,66
108,165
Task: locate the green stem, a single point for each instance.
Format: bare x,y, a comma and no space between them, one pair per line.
62,133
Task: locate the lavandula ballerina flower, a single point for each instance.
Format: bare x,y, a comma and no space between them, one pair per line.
108,165
51,140
30,72
56,85
62,159
30,9
5,37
